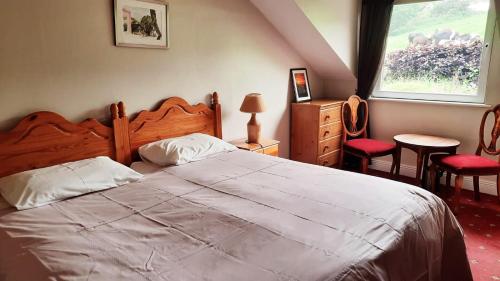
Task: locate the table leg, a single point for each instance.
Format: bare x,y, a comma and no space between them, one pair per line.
439,174
453,151
420,159
398,160
425,171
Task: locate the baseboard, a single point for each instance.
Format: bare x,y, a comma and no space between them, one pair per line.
485,186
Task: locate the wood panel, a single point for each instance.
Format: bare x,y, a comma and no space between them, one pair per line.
303,140
44,139
173,118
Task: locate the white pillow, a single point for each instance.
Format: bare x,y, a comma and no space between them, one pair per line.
40,187
182,150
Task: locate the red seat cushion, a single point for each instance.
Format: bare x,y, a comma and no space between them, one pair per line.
370,147
467,163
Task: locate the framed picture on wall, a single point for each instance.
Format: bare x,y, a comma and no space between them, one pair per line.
300,84
141,23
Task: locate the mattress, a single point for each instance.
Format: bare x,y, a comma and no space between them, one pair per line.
238,216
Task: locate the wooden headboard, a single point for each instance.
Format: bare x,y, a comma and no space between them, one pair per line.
173,118
44,139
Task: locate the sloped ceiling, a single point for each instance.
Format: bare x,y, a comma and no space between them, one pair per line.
323,32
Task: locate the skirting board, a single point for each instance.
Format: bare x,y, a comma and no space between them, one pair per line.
485,186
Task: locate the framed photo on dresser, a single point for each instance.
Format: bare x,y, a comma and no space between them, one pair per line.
141,23
300,82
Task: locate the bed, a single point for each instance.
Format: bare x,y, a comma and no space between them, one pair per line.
232,216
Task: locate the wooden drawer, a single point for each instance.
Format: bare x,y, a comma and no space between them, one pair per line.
329,115
329,145
329,159
272,150
330,130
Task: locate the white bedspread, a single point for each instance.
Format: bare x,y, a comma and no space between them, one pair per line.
238,216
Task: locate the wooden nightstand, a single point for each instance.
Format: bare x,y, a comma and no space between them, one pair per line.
267,146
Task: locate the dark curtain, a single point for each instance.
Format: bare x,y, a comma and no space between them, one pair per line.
373,29
374,25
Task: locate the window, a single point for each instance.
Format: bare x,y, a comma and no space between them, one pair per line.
437,50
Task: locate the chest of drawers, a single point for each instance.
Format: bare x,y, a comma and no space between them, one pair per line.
316,132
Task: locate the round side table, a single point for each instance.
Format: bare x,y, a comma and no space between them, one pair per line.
423,145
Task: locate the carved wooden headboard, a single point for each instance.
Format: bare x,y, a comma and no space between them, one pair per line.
174,117
44,139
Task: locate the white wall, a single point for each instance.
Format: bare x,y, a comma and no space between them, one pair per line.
60,57
337,21
324,32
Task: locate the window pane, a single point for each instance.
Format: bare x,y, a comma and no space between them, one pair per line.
435,47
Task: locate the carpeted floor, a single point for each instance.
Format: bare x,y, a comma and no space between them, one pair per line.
481,224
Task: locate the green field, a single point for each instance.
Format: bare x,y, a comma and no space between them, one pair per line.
473,24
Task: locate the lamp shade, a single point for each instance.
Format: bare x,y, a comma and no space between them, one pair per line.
253,103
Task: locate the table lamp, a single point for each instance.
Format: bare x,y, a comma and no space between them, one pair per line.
253,103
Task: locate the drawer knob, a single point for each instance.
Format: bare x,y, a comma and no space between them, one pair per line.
326,133
325,148
327,117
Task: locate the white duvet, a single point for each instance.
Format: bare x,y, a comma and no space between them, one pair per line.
239,216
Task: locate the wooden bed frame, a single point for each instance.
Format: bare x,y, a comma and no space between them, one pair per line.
173,118
43,139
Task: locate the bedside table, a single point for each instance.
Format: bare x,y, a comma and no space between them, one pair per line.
267,146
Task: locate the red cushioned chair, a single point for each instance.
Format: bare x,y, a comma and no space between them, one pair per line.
471,164
363,147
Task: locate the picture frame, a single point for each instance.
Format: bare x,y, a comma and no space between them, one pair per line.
142,23
300,82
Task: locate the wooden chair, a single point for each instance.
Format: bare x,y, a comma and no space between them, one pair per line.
363,147
471,164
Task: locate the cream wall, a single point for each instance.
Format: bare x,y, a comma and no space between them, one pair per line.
292,21
59,56
337,21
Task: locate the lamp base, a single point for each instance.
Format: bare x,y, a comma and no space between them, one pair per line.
253,130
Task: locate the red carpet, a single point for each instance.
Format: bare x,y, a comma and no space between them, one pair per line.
481,224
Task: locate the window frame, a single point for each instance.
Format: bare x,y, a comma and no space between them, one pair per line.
478,98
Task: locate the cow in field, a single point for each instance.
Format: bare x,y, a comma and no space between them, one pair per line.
446,34
418,38
467,38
